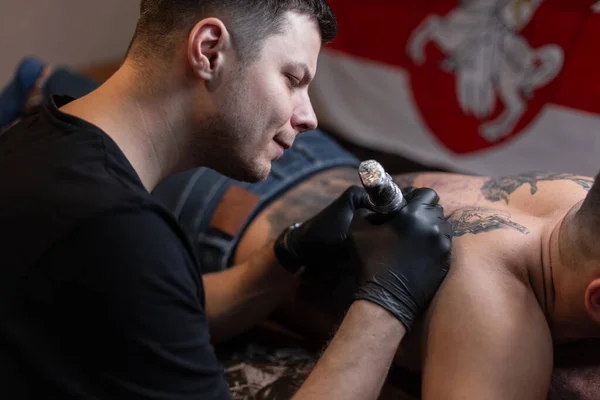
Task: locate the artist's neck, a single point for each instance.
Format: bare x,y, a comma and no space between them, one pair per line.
147,123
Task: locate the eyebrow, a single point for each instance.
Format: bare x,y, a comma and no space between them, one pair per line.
302,66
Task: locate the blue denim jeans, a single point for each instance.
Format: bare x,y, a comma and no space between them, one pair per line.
62,81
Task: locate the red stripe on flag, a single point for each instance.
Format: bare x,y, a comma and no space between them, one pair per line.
378,30
580,84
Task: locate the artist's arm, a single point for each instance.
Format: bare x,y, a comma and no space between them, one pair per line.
487,338
355,364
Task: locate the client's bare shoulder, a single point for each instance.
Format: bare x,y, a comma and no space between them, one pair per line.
534,193
502,219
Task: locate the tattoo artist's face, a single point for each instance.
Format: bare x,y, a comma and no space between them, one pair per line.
268,105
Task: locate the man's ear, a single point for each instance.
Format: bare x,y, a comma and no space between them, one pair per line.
208,45
592,300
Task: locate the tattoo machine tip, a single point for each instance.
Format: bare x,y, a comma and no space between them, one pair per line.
384,195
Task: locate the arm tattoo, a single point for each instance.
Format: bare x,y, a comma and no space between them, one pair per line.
406,180
316,194
477,220
501,188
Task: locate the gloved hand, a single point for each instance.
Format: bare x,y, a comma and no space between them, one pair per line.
404,259
314,248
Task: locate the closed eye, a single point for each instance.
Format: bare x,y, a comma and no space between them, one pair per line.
294,82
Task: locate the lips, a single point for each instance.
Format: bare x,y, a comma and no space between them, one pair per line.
285,144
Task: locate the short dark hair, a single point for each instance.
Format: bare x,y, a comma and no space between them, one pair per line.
250,22
590,209
581,236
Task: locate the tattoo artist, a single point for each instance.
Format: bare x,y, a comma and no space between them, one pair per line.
101,296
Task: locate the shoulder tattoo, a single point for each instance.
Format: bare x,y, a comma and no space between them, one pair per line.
497,189
478,220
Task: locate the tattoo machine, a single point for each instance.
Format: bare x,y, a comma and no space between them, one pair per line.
384,195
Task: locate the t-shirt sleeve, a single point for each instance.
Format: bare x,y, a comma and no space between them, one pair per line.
135,296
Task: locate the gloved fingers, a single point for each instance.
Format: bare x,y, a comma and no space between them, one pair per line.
425,196
445,236
357,198
378,219
446,227
362,220
363,213
408,192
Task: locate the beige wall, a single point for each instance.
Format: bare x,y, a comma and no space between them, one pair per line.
76,32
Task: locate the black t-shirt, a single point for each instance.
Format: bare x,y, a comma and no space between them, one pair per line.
100,294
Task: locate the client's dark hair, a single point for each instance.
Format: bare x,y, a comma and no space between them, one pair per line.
250,22
589,213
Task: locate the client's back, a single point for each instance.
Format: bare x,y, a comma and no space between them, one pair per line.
489,332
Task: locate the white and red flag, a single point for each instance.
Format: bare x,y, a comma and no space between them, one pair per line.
476,86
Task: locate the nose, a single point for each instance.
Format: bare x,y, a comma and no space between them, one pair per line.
304,118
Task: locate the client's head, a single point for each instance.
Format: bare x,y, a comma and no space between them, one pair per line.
580,255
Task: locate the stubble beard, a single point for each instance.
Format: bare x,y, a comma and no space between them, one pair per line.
222,140
220,146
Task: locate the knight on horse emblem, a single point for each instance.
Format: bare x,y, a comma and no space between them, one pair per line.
490,59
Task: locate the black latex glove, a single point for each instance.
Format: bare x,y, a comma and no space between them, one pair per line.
316,248
405,259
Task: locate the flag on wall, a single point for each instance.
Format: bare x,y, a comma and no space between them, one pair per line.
476,86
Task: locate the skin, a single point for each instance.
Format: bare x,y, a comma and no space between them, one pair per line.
355,364
517,286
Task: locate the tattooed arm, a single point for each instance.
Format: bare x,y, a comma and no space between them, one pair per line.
309,198
299,204
245,294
